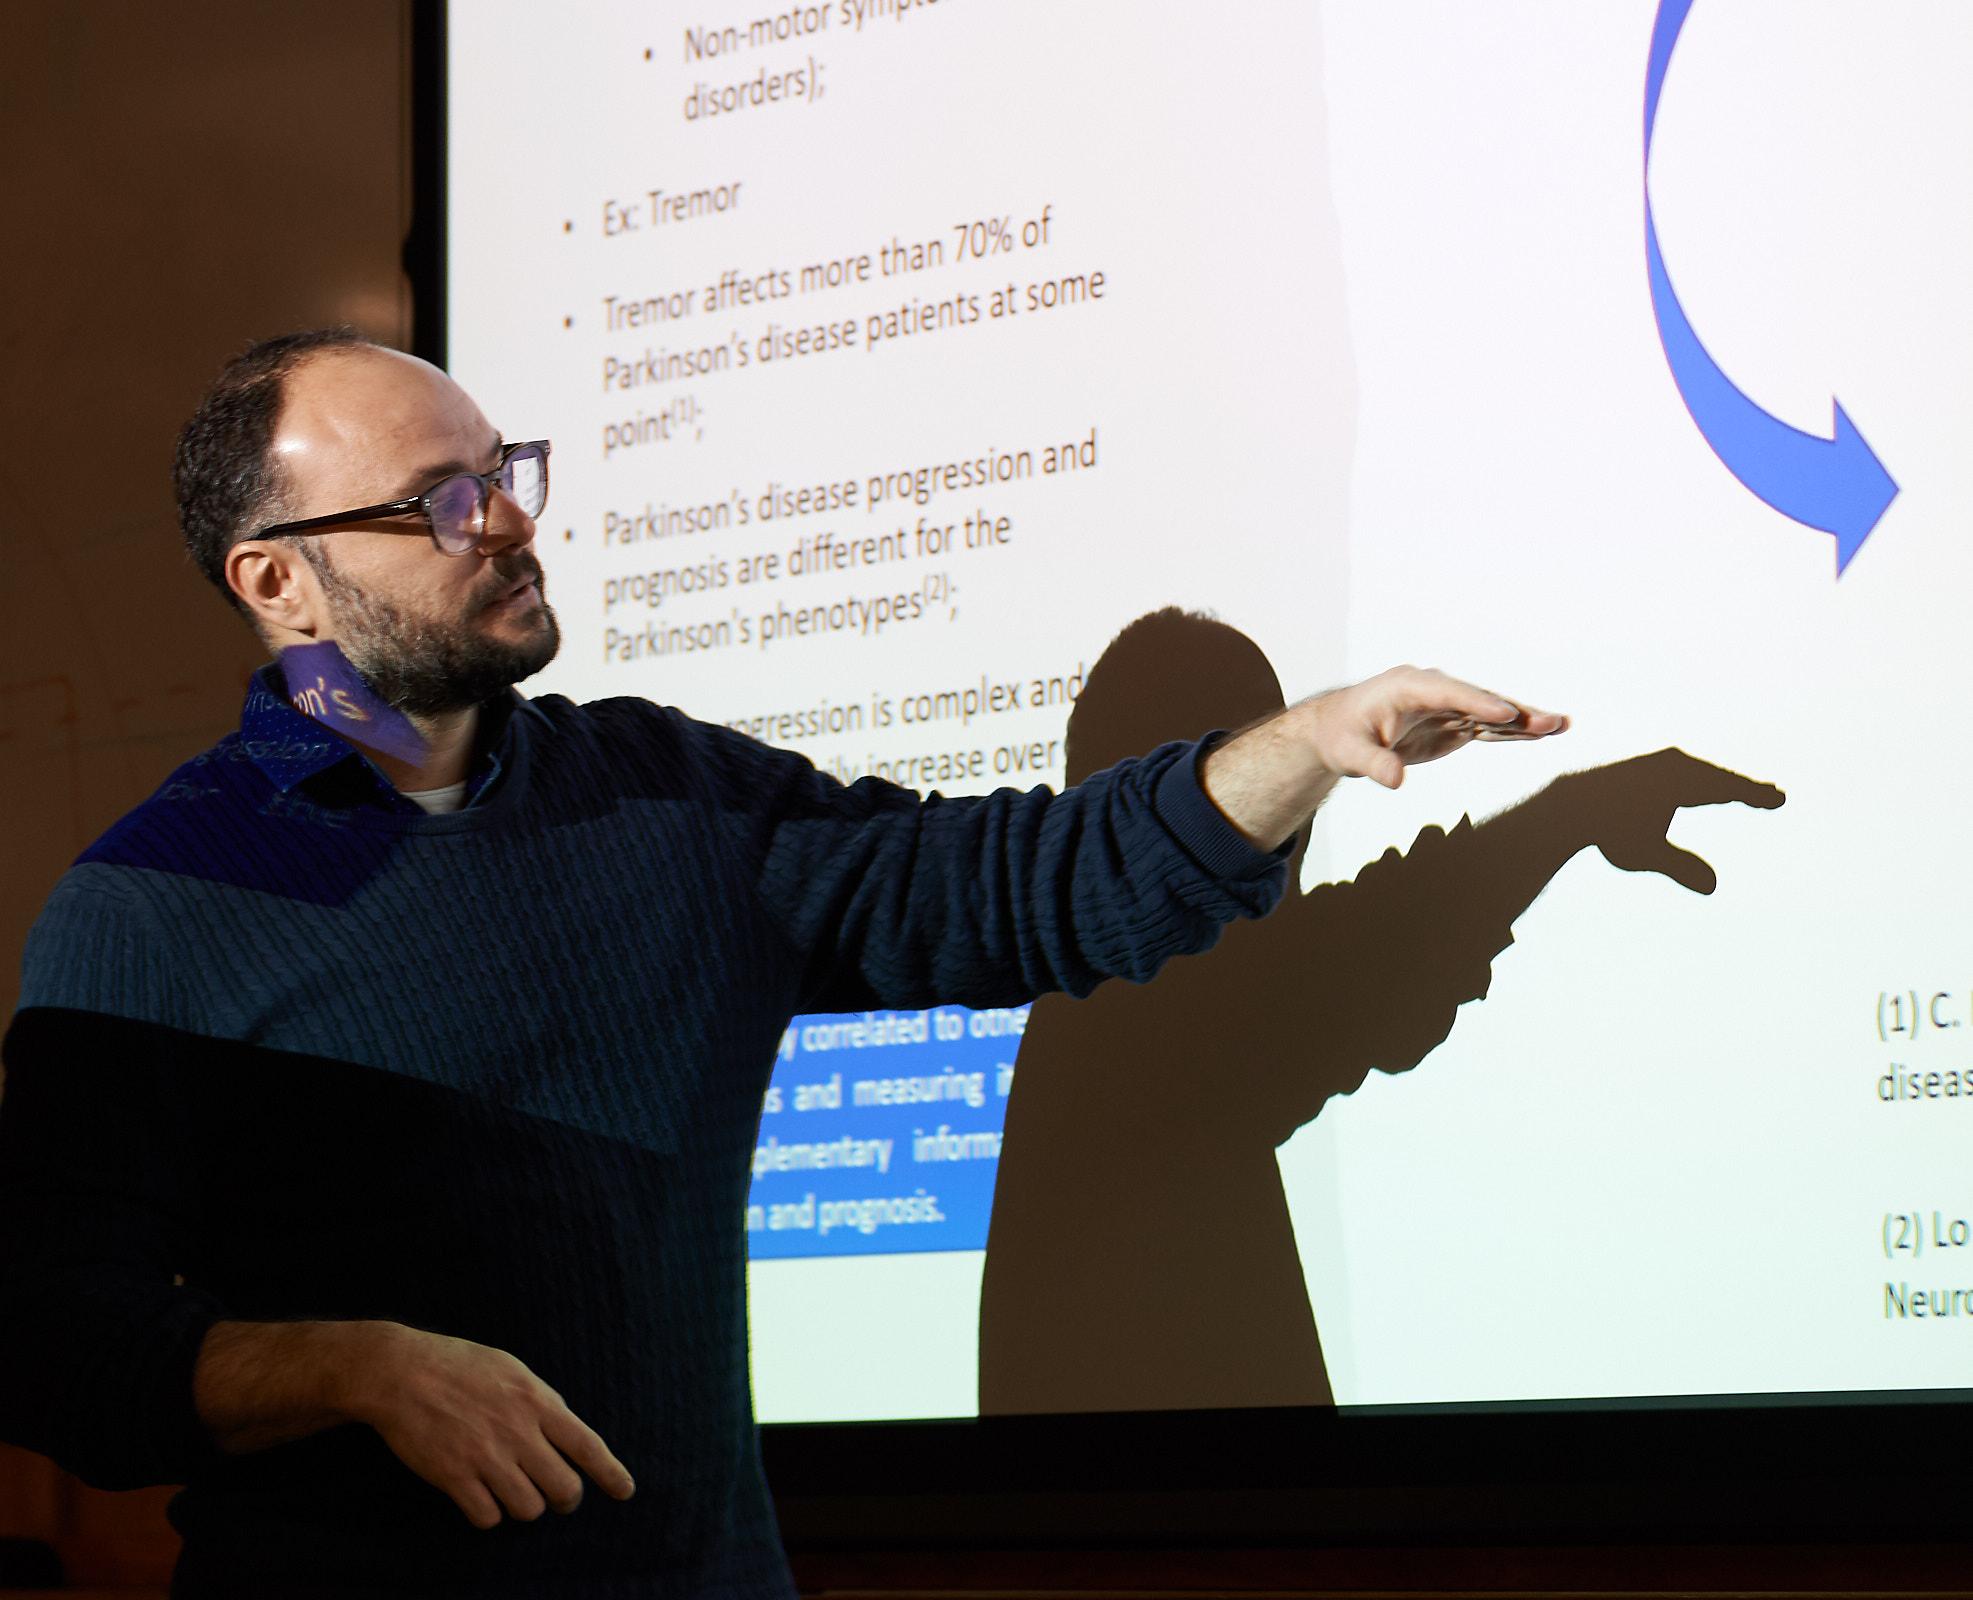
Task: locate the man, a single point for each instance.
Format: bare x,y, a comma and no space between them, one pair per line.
377,1125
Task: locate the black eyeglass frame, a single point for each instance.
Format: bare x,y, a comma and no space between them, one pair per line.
421,504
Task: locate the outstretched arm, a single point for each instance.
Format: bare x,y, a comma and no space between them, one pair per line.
1269,779
892,898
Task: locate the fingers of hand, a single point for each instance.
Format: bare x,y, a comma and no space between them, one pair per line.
1432,692
1425,691
478,1504
581,1443
1428,738
1527,723
1410,715
559,1483
516,1491
529,1486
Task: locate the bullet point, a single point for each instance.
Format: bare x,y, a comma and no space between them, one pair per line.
568,533
647,52
568,322
568,227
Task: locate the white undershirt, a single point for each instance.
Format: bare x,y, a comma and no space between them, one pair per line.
448,798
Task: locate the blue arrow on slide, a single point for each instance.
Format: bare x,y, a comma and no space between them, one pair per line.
1837,485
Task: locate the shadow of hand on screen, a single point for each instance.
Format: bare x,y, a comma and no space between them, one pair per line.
1140,1253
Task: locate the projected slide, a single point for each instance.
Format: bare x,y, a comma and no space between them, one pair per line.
976,394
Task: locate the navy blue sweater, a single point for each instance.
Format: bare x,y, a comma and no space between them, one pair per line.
288,1047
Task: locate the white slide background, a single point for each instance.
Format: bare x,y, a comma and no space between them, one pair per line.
1374,378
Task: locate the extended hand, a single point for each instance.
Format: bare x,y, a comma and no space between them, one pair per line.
1409,715
1269,779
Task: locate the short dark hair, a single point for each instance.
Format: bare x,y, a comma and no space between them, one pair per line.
226,479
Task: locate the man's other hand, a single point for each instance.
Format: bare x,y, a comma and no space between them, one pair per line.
476,1423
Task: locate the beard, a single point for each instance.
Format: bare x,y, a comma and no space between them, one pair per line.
429,666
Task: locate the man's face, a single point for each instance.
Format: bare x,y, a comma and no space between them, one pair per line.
429,632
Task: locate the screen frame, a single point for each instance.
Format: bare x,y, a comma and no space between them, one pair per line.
1816,1468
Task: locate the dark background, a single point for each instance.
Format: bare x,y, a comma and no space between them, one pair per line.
181,179
184,178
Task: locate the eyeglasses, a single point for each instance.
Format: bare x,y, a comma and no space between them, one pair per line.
454,508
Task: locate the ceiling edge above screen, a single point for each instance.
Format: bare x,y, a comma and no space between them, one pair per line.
1821,1466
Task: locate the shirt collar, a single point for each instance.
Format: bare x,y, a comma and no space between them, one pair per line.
295,750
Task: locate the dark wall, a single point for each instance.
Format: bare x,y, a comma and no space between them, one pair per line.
181,179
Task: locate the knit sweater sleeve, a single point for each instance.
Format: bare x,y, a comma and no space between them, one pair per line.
892,898
97,1342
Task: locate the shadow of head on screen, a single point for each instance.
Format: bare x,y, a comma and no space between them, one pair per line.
1140,1253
